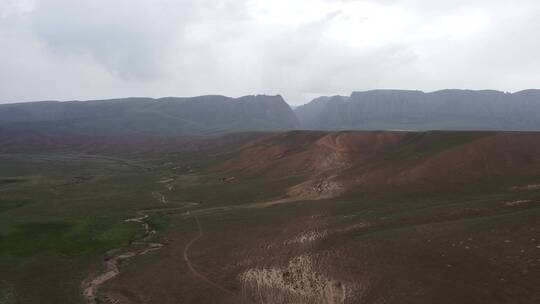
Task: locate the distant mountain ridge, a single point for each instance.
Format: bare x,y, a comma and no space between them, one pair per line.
214,114
416,110
170,116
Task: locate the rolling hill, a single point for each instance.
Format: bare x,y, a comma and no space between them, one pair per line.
334,163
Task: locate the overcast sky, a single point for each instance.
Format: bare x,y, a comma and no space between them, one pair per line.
91,49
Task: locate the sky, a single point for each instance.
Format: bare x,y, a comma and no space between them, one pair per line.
301,49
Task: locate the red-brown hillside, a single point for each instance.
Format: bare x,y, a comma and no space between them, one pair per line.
305,152
339,161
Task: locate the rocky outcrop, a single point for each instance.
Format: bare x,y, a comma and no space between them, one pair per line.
299,282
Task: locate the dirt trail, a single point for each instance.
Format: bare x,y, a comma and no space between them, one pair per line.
201,234
256,205
190,265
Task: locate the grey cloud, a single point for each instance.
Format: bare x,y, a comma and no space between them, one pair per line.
63,49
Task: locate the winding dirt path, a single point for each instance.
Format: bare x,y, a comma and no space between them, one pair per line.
190,265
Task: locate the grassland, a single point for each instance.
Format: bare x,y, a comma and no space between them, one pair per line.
61,215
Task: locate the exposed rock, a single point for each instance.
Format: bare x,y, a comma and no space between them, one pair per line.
299,282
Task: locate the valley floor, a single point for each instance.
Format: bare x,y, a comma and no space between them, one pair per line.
79,228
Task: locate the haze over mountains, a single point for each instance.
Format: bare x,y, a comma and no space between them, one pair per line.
214,114
416,110
170,116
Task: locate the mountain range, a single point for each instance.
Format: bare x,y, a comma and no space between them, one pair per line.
214,114
170,116
416,110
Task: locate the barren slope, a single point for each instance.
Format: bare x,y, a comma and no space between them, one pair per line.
333,163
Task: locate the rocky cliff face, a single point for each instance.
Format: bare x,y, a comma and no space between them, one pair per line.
416,110
166,116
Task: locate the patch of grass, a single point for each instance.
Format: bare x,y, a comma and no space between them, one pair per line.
6,205
212,192
27,239
5,295
7,181
64,238
158,222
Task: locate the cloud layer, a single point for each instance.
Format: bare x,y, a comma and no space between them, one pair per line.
64,49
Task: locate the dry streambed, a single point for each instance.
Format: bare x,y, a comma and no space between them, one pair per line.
91,285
